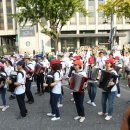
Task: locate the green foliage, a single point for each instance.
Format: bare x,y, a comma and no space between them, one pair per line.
119,7
56,12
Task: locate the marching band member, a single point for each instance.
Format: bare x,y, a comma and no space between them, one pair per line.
92,83
29,79
20,89
8,68
79,96
3,87
117,58
109,95
40,78
56,90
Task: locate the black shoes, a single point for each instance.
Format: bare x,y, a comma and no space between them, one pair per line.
11,97
30,102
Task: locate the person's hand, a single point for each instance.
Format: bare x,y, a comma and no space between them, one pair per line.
111,83
45,85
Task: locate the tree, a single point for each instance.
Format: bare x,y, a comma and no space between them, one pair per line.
55,12
118,7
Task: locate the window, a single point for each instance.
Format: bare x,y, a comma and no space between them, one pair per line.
9,11
73,20
1,16
82,19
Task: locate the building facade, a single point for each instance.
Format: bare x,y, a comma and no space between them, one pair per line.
7,24
79,31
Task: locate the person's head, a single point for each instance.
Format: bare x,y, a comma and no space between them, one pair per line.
117,58
101,54
39,58
78,65
110,55
126,53
20,65
55,65
8,63
109,63
26,58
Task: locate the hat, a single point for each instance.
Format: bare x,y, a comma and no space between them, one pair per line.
110,61
26,57
77,57
117,57
1,65
40,55
21,63
78,62
53,62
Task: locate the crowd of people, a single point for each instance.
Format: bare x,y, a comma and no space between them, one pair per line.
88,70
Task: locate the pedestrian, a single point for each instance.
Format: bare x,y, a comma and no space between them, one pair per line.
79,96
109,95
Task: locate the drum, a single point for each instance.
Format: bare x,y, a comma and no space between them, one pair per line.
105,78
77,82
39,69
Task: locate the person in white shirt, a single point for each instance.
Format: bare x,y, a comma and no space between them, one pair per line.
109,95
100,62
20,89
29,78
8,69
56,90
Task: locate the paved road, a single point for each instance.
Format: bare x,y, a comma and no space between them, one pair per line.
37,119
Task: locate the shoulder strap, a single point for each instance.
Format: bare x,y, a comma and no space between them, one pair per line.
20,73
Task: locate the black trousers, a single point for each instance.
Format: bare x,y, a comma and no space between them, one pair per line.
21,104
79,99
28,90
40,81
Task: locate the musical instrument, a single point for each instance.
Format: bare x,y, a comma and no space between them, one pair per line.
49,80
28,70
2,79
93,73
13,78
39,69
116,68
105,79
77,82
70,71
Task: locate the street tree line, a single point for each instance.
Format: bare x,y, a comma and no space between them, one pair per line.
58,12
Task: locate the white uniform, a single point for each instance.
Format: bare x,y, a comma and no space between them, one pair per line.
57,88
21,79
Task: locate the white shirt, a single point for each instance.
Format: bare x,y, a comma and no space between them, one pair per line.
126,60
100,62
57,88
8,70
20,79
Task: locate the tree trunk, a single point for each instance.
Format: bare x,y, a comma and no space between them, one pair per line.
56,44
